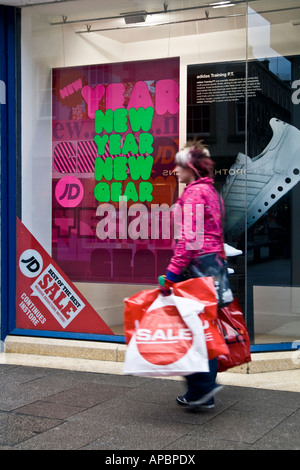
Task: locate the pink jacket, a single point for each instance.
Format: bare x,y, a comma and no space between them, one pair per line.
201,204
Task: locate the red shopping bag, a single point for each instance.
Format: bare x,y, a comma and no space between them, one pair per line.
135,308
203,289
216,346
198,289
231,323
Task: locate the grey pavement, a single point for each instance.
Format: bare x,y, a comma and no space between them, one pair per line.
53,409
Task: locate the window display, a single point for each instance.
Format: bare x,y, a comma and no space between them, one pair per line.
102,113
115,135
258,181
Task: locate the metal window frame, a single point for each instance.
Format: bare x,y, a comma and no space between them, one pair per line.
10,145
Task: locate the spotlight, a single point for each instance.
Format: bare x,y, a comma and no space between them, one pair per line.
135,17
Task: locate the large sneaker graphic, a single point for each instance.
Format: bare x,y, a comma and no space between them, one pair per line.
264,178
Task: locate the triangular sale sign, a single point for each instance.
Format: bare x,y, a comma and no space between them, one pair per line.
46,299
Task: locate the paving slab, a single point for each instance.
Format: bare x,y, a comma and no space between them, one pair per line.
53,409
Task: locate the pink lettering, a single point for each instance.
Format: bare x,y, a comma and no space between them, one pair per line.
71,88
77,84
115,96
140,97
166,96
92,98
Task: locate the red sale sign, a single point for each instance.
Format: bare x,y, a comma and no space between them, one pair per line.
46,299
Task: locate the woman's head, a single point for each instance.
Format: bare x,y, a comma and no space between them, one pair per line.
194,162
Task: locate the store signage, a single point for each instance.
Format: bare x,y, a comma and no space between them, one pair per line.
46,299
115,136
57,295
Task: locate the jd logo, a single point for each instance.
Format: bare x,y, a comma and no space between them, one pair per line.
31,263
69,191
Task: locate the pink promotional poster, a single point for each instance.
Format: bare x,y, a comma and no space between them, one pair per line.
115,134
46,299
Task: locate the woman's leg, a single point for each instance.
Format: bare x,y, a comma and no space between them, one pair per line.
201,383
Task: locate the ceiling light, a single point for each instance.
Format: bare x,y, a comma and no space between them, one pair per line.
221,4
135,17
224,6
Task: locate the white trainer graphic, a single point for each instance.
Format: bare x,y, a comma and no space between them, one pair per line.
264,178
231,250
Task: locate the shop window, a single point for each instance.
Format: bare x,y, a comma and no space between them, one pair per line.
144,264
194,71
101,263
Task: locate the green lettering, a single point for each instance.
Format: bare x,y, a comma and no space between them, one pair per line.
145,191
140,118
103,168
102,192
101,142
120,120
104,121
116,191
115,144
140,167
130,145
131,192
145,143
120,168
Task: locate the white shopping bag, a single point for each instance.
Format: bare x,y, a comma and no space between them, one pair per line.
169,340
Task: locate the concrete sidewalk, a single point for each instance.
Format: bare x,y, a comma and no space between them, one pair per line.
66,404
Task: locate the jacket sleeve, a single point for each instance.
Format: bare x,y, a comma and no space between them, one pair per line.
192,229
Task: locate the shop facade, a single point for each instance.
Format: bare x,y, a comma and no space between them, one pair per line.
95,103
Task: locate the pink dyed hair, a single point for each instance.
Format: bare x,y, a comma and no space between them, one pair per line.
196,156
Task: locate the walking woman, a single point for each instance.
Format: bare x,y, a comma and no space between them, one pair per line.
194,167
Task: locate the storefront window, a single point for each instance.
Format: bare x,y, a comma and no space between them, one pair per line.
106,103
273,143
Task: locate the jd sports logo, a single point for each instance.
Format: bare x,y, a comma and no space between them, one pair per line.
31,263
69,191
72,191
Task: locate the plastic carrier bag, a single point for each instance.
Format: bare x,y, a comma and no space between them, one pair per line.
231,323
174,334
